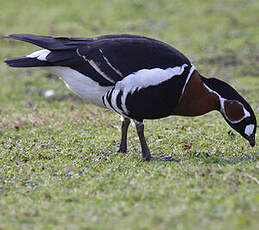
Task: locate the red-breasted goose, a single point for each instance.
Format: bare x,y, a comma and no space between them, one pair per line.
139,78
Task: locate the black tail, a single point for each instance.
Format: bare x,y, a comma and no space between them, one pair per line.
46,42
25,62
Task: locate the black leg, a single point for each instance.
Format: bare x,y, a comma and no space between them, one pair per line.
145,150
124,131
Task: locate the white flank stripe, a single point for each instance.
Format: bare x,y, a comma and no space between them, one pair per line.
40,55
145,78
106,103
89,90
113,101
149,77
249,129
123,106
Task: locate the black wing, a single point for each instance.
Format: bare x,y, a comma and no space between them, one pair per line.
109,58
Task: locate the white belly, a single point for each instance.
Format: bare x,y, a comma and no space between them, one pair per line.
89,90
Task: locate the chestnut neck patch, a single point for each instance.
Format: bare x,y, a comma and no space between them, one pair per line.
233,110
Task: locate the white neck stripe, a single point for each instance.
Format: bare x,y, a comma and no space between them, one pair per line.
187,79
222,109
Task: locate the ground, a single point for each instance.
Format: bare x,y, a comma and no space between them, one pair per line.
59,166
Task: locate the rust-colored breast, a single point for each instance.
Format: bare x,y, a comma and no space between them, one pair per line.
196,99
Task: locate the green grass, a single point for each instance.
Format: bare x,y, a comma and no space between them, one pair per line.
59,166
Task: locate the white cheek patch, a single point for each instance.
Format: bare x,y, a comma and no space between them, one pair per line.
249,129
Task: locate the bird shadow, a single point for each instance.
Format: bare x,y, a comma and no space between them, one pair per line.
222,159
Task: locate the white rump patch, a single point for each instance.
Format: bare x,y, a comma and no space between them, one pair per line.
249,129
40,55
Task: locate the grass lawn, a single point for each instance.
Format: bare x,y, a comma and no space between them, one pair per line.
59,166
